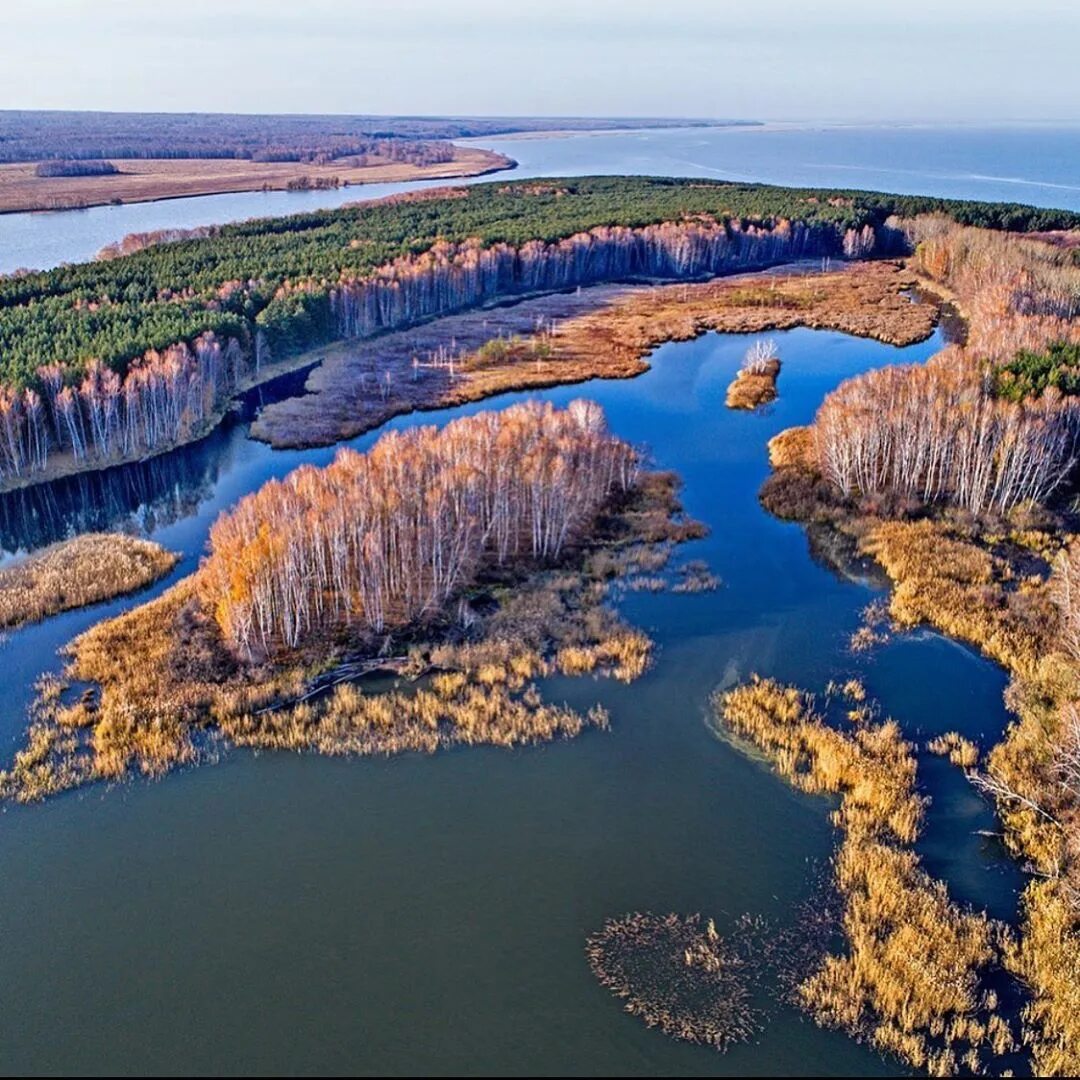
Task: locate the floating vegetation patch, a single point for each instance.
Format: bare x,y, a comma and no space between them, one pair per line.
678,975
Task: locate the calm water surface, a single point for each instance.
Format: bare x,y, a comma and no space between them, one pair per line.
427,914
1037,164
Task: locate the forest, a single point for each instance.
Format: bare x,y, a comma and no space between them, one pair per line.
990,425
83,167
135,352
32,135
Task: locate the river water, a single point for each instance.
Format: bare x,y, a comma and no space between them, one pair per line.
283,913
1036,164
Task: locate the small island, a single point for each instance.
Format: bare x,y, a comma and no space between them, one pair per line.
475,558
755,384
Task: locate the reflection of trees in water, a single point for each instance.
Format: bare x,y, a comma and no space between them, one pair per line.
139,497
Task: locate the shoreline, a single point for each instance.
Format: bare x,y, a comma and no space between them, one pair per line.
486,163
606,331
524,376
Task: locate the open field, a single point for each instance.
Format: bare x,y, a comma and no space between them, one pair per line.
147,180
603,332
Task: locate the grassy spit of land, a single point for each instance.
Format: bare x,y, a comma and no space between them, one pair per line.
151,179
603,332
78,572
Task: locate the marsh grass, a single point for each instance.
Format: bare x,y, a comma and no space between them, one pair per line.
75,573
986,583
165,691
601,332
963,753
677,975
910,981
755,382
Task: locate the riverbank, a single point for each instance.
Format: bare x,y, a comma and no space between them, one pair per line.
155,180
602,332
1003,585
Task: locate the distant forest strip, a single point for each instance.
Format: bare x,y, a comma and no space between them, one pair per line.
122,357
27,135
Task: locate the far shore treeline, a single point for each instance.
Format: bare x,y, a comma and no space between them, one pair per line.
126,355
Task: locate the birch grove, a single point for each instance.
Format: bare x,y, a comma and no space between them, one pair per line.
454,276
935,433
384,539
164,398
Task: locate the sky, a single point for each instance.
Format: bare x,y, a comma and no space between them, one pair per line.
856,60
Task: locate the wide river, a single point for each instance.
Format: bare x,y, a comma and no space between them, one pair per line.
283,913
1037,164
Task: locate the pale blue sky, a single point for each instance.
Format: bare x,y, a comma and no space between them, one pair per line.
778,59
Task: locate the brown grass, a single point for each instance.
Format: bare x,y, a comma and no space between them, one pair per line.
963,753
603,332
165,691
792,448
144,180
749,389
986,583
677,975
909,981
75,573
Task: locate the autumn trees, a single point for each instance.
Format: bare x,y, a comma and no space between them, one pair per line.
273,287
987,425
935,433
163,399
384,539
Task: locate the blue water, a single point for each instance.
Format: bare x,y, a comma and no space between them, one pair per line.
1037,164
427,915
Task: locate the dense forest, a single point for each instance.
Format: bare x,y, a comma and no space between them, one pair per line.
82,167
38,135
131,353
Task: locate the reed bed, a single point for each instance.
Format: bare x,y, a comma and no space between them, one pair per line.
910,979
76,573
601,332
677,975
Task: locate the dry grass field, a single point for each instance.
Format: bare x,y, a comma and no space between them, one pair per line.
86,570
150,179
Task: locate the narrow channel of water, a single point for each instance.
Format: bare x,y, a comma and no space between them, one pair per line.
295,914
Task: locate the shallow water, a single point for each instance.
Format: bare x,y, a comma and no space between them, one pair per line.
1032,163
428,914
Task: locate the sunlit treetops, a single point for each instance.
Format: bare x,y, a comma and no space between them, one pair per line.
386,539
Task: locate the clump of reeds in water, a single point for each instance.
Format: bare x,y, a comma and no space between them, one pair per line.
755,383
911,979
676,974
75,573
